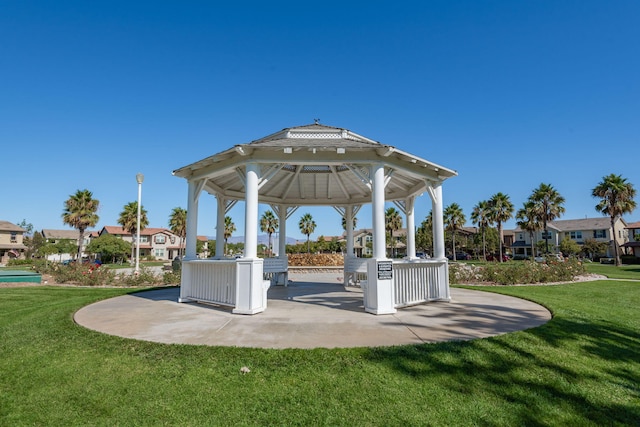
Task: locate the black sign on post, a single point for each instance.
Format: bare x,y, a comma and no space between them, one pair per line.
385,270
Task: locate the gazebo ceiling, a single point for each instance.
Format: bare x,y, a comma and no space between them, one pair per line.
314,165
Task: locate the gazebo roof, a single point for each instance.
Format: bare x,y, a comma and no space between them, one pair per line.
314,165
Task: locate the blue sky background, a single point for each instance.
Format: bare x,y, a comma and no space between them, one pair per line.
508,93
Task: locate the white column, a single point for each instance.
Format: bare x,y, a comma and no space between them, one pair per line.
348,220
192,221
282,229
438,224
379,247
251,212
221,212
379,291
411,227
251,289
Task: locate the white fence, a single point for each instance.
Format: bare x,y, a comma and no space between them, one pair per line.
414,281
211,281
420,281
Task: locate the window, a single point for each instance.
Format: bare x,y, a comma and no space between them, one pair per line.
144,239
368,239
520,236
546,235
576,235
173,239
160,238
599,234
14,237
159,253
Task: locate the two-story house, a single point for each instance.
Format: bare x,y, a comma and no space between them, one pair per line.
578,230
55,236
633,232
11,242
160,243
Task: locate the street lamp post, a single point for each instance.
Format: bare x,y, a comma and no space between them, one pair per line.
139,179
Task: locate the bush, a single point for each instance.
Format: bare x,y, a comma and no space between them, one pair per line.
171,278
144,277
82,274
16,262
526,272
629,259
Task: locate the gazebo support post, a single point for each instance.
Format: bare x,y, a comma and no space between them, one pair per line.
283,278
411,227
193,194
379,292
251,289
222,205
435,192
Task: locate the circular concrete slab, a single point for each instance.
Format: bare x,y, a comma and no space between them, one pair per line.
308,314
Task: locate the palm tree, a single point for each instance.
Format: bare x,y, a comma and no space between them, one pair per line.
616,199
178,225
269,224
501,210
307,226
229,228
129,221
454,219
392,223
480,216
527,217
548,207
344,223
80,213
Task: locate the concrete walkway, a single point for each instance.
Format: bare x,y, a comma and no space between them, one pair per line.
311,312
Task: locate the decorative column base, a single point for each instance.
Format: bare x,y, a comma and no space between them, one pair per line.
379,291
251,289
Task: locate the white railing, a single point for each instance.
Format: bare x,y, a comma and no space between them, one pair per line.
355,271
211,281
420,281
276,270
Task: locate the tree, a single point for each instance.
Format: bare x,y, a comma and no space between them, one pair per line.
33,244
424,234
229,228
548,207
307,226
454,219
109,247
27,226
616,199
178,226
129,221
269,224
80,212
569,247
344,223
481,217
527,220
592,248
501,210
392,223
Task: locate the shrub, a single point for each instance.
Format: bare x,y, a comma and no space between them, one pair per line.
82,274
16,262
171,278
526,272
629,259
144,277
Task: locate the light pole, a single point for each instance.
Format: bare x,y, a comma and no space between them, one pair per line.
139,179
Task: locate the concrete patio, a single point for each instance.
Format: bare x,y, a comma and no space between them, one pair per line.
313,311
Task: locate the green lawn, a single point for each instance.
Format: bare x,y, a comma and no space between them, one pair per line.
581,368
613,272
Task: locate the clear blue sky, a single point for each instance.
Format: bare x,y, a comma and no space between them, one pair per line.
508,93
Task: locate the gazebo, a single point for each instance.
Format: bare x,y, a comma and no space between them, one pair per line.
314,165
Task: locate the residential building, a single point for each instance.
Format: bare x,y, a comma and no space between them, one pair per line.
578,230
11,242
633,245
55,236
159,243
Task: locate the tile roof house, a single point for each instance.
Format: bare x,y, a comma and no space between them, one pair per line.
578,230
11,241
160,243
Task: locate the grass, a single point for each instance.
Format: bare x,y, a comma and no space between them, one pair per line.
581,368
613,272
